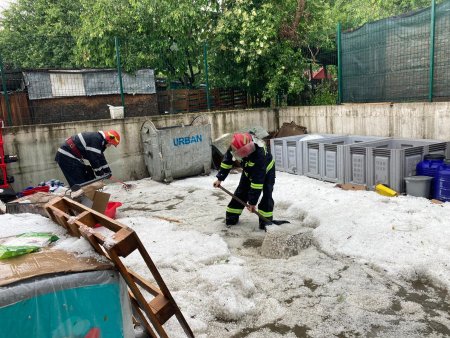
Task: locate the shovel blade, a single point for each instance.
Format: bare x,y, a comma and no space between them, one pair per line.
279,222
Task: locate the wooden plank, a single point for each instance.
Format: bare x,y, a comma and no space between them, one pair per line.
143,305
146,285
162,308
141,315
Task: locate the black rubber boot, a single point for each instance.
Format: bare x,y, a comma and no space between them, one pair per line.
263,224
230,220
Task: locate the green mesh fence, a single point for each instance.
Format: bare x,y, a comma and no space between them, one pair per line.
389,60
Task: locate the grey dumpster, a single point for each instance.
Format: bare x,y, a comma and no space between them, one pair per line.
176,152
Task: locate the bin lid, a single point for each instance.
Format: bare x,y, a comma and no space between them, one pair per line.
418,178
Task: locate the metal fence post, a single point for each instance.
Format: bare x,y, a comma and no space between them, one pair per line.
432,40
119,71
5,93
339,52
205,59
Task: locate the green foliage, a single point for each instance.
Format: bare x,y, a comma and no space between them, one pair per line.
165,35
324,94
258,45
355,13
39,33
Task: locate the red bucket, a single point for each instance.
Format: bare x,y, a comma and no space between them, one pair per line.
111,208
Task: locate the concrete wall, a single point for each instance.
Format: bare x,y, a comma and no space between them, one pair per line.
411,120
36,145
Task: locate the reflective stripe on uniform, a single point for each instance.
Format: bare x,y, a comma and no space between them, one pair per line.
62,151
270,165
226,166
265,213
256,186
83,142
234,211
249,164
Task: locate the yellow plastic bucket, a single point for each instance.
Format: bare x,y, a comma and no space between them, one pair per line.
385,191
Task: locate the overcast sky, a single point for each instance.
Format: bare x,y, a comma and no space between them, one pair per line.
4,4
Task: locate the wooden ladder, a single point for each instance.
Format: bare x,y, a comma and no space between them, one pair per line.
80,220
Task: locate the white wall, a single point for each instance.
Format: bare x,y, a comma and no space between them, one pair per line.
411,120
37,145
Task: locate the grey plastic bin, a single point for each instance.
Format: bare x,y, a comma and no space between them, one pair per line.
176,152
388,161
419,186
324,159
288,152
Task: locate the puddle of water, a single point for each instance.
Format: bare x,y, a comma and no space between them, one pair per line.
299,331
431,299
253,243
310,284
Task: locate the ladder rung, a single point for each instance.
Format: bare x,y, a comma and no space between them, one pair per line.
141,281
162,308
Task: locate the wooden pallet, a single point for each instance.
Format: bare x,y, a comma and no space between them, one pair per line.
80,220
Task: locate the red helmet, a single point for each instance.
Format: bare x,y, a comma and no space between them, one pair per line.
242,145
112,137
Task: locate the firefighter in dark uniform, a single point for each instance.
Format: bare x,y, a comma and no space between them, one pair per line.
86,146
258,176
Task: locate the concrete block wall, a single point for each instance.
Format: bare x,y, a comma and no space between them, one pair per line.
36,145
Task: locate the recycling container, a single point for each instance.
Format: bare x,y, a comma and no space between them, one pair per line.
288,151
390,160
176,152
325,158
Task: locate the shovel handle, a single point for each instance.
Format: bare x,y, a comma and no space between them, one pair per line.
78,186
261,217
118,181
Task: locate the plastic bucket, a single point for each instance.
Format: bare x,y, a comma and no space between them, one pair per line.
116,112
419,186
111,209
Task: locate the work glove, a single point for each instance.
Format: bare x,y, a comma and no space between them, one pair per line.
217,183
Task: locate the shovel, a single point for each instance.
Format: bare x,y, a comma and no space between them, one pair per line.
261,217
76,187
126,186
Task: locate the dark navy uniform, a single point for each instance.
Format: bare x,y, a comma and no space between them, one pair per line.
83,146
258,176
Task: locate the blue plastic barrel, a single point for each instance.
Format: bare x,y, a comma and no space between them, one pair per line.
429,167
442,182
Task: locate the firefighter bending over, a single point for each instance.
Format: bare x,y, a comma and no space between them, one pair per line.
258,176
88,146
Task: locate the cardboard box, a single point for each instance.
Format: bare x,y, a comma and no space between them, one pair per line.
33,204
350,186
46,262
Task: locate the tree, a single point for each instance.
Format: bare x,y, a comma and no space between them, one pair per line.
39,33
356,13
165,35
261,44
